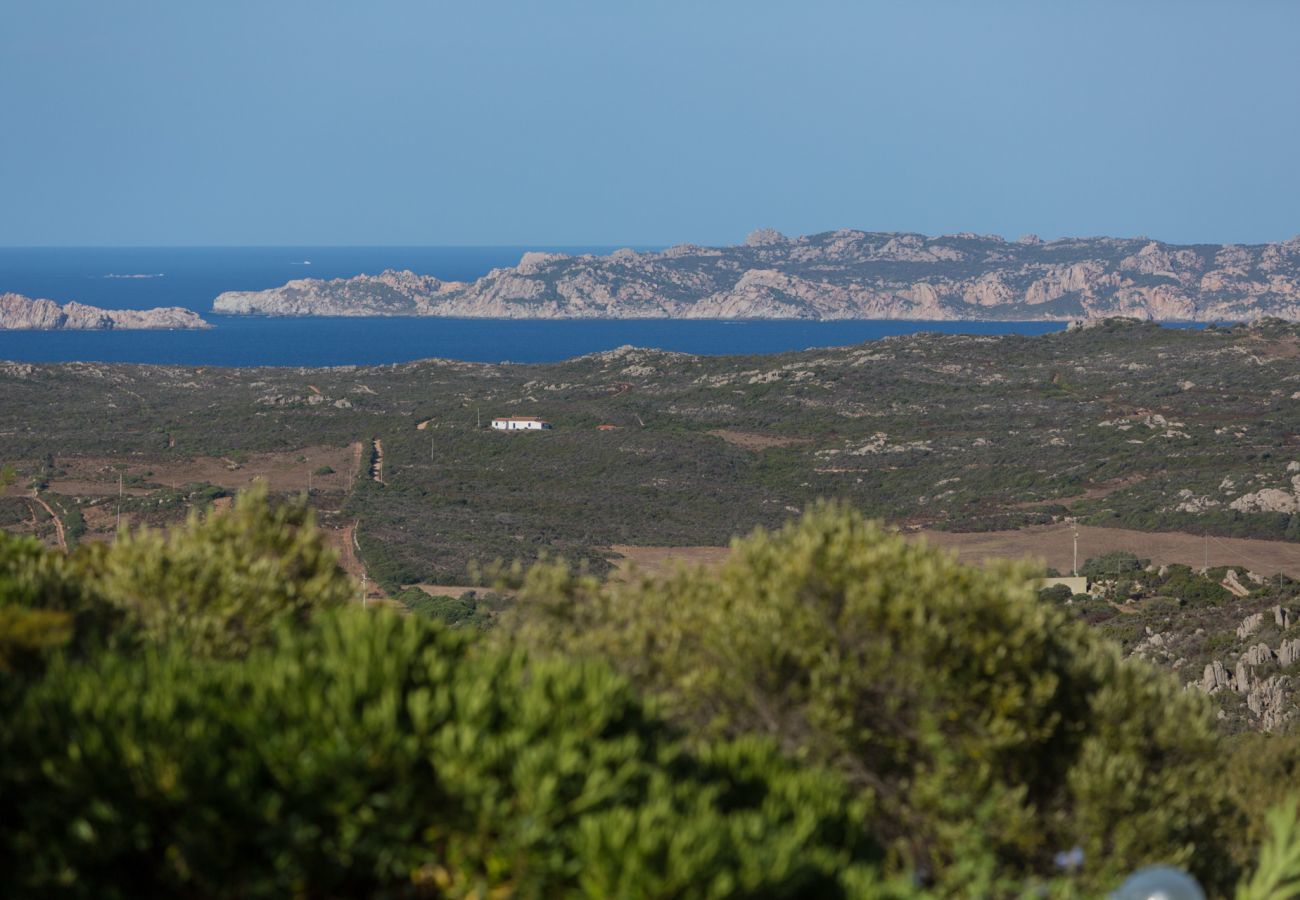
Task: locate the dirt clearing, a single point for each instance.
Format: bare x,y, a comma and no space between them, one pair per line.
288,470
662,560
1052,544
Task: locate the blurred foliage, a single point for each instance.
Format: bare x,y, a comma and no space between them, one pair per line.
981,723
835,712
219,582
214,585
467,609
1278,875
375,755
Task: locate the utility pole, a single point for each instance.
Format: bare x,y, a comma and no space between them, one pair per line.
1207,550
478,411
1075,570
363,590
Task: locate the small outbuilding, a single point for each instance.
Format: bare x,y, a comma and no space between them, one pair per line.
520,423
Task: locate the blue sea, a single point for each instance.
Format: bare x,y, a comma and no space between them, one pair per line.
122,278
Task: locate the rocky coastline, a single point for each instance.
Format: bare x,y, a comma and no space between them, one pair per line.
842,274
19,313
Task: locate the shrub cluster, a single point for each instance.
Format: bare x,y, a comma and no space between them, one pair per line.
984,725
836,712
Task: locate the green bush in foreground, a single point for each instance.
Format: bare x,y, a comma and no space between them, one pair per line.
987,729
224,579
375,755
175,721
45,607
215,585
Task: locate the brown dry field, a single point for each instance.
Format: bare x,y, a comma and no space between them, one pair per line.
662,560
91,476
754,440
1053,544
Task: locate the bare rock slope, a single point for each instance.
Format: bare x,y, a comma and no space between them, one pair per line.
838,275
19,313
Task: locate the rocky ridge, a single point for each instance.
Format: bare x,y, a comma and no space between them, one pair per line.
842,274
19,313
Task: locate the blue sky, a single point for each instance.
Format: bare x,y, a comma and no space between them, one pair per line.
558,122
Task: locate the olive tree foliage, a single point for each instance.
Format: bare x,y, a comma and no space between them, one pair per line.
987,729
215,585
373,755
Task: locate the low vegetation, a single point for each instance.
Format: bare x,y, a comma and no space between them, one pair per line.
1124,424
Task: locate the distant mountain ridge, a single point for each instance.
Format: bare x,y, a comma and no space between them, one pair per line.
19,313
843,274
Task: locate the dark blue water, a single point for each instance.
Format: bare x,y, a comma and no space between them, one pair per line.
118,278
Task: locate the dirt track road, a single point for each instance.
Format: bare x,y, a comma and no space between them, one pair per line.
58,523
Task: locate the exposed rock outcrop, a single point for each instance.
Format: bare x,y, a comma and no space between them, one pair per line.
19,313
1269,702
1216,678
842,274
1250,625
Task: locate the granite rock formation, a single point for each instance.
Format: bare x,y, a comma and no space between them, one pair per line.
838,275
19,313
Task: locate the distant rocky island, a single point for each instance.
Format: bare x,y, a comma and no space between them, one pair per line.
19,313
837,275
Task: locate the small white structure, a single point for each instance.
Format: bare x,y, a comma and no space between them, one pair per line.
520,423
1076,583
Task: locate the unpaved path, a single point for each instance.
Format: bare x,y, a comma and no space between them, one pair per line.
58,523
344,542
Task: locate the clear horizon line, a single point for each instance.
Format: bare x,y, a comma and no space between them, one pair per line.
635,245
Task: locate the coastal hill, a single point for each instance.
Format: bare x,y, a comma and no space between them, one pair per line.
19,313
837,275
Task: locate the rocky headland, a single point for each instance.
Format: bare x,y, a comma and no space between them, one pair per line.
837,275
19,313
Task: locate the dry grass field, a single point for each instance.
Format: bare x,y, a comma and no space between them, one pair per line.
1052,544
289,471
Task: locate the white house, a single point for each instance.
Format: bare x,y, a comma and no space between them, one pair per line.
520,423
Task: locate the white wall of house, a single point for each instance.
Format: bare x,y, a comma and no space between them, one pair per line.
519,424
